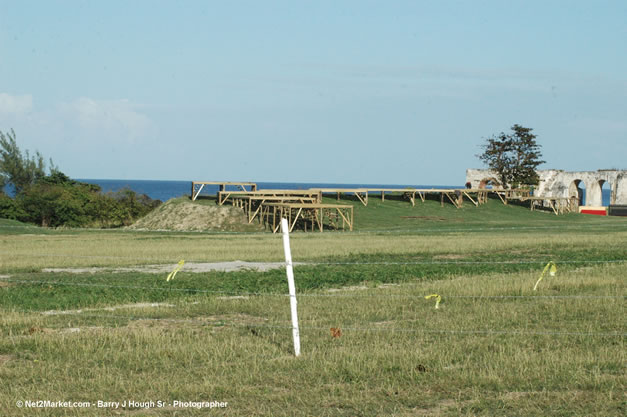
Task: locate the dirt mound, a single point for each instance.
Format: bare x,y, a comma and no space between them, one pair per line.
181,214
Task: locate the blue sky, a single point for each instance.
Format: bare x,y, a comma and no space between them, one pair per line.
400,92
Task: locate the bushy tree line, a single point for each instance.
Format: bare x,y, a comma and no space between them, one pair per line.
52,199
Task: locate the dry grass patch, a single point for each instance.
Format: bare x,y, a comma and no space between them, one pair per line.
512,352
216,321
449,256
111,308
439,409
6,358
125,249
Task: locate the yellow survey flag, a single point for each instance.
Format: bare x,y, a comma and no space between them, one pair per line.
172,274
437,299
551,267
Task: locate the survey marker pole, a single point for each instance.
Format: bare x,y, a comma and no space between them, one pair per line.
290,283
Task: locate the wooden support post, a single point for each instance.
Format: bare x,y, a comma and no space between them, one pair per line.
363,201
222,197
251,218
352,220
321,219
476,203
553,207
298,213
274,220
452,200
345,218
412,198
343,221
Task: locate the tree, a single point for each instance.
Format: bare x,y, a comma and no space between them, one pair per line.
57,200
20,171
513,157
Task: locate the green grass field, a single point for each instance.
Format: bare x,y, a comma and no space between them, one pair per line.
493,347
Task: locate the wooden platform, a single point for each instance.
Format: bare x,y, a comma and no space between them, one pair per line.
360,193
454,195
313,215
223,196
197,186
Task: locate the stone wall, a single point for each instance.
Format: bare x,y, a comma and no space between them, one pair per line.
558,183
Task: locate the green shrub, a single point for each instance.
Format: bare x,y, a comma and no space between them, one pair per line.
56,200
9,209
54,205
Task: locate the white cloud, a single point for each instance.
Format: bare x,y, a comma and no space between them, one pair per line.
116,115
15,105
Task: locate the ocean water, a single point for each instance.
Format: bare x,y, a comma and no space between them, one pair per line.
165,190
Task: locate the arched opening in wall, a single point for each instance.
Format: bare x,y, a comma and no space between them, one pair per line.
606,193
577,189
489,183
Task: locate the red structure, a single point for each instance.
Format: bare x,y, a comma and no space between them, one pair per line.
599,211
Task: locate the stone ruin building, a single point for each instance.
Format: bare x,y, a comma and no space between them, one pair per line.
559,183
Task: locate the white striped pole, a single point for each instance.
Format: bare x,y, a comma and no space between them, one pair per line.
290,283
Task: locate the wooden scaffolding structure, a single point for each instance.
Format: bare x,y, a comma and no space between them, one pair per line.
305,207
558,205
315,215
454,195
252,205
